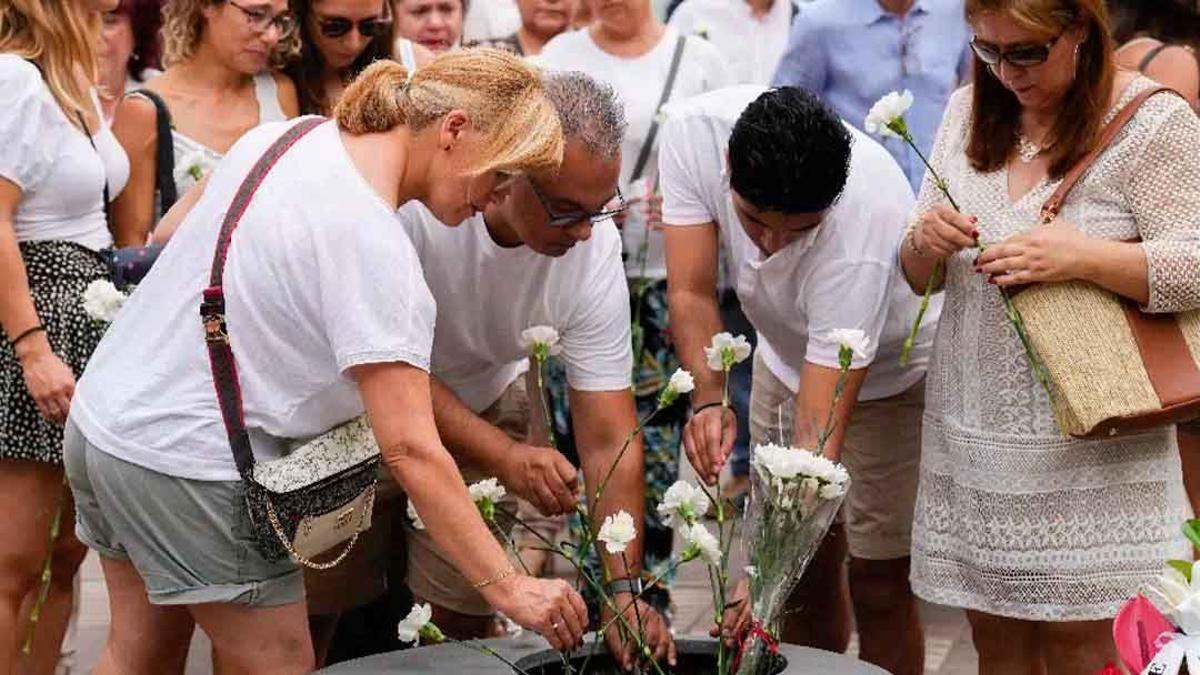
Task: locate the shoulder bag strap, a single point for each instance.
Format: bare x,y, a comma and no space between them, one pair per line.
644,154
164,164
1053,205
212,307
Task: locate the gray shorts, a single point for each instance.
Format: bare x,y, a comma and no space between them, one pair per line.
189,540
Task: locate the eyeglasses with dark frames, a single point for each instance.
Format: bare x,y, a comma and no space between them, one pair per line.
263,20
572,217
1021,56
338,26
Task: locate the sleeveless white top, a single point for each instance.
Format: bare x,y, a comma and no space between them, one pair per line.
194,160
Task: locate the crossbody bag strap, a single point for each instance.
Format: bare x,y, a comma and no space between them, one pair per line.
1053,205
639,167
212,307
164,155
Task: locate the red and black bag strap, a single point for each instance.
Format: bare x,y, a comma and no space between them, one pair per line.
212,307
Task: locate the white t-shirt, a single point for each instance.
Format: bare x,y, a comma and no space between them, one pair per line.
490,20
320,277
844,274
488,294
639,84
60,174
751,46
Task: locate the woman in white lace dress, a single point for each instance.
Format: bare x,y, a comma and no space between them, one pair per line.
1042,537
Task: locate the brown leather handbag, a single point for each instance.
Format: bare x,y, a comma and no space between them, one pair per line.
1113,368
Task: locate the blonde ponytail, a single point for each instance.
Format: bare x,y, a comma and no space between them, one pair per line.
500,93
375,101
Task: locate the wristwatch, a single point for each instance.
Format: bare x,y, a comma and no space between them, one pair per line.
626,585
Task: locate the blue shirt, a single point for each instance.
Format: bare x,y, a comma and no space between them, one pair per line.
852,52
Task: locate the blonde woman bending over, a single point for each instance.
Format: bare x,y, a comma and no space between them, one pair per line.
329,316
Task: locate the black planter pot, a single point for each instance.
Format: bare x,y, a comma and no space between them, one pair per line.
694,657
697,654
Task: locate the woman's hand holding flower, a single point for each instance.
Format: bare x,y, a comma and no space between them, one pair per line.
941,232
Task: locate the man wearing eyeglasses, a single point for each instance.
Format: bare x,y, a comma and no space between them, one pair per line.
812,212
852,52
545,253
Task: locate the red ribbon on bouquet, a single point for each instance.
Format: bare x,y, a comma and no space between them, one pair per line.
755,630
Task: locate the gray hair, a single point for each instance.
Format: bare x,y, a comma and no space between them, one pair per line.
588,111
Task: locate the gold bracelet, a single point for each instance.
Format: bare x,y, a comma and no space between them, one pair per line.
508,572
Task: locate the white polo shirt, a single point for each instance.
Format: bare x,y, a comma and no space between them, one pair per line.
844,273
752,46
488,294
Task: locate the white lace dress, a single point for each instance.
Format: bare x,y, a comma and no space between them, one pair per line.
1012,518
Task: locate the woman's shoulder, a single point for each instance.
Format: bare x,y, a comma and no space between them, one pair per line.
19,79
286,93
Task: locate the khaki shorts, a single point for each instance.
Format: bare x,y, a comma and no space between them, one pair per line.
882,452
431,576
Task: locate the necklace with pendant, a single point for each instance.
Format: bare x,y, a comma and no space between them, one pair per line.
1027,150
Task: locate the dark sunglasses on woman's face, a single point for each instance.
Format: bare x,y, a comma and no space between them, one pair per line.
1021,56
338,26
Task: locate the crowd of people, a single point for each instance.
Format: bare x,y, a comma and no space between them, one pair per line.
640,176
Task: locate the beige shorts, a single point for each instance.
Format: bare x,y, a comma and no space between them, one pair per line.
882,452
431,576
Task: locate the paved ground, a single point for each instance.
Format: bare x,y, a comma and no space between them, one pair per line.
948,644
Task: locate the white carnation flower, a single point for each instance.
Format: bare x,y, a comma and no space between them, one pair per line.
682,504
617,531
709,546
102,300
489,489
409,629
192,169
540,341
851,338
682,382
726,350
1178,598
751,571
778,462
886,112
832,491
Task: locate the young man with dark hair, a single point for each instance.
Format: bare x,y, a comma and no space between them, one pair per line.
812,212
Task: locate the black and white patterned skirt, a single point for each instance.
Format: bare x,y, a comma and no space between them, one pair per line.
58,272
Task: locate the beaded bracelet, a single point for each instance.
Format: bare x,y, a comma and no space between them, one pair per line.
911,238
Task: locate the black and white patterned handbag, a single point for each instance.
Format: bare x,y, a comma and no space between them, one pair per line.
321,493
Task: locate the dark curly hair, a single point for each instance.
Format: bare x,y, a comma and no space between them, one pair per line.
789,153
145,16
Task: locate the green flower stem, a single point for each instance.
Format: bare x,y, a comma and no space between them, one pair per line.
620,455
44,588
838,389
478,646
1010,310
540,360
587,578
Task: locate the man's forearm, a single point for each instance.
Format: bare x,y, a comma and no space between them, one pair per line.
469,438
603,421
695,318
818,385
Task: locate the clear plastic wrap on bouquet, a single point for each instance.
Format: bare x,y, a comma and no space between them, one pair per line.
786,522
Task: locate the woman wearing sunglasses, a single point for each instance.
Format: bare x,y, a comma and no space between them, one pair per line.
220,82
338,39
1039,537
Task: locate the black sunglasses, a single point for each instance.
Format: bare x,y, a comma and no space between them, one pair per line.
1021,56
571,217
338,26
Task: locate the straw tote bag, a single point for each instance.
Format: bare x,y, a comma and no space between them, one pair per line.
1113,368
